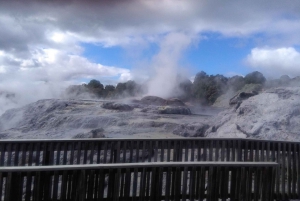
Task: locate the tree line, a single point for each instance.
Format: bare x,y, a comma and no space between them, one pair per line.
205,88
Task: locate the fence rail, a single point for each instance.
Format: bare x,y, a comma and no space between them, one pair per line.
103,151
140,181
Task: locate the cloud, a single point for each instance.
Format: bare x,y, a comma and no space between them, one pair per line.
40,40
55,65
275,62
126,22
46,74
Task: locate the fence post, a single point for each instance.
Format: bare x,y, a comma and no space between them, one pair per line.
14,186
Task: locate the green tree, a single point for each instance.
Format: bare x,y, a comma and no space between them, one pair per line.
255,78
95,84
96,88
207,89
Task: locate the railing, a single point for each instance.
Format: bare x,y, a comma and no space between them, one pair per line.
97,151
140,181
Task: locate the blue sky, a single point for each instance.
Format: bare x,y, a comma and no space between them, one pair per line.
213,54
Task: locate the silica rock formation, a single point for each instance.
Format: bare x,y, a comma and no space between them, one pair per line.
56,118
273,114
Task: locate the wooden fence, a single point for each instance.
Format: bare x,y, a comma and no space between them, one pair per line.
140,181
97,151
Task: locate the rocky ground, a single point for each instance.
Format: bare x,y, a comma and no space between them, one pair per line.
55,118
271,114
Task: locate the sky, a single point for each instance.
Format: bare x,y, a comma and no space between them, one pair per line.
45,45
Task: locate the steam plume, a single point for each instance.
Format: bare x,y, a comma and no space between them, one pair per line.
165,81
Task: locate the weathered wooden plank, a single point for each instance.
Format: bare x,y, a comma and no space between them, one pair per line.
193,144
268,156
210,184
92,148
224,150
64,185
117,189
46,155
192,184
211,150
251,150
72,149
169,151
162,150
28,186
37,191
135,184
23,160
256,185
137,151
124,151
55,185
30,153
168,184
184,184
248,181
58,148
148,188
202,177
155,149
234,150
298,170
288,170
294,171
150,150
186,146
9,153
101,184
158,180
85,152
278,178
153,185
239,150
201,150
259,152
233,179
105,152
2,185
143,184
37,153
283,169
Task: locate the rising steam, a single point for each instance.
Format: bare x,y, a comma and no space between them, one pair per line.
165,81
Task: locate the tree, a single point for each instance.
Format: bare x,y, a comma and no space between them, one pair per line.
95,84
96,87
108,91
208,88
255,78
236,82
110,87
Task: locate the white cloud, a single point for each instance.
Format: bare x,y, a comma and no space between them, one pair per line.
40,41
57,65
47,74
275,62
